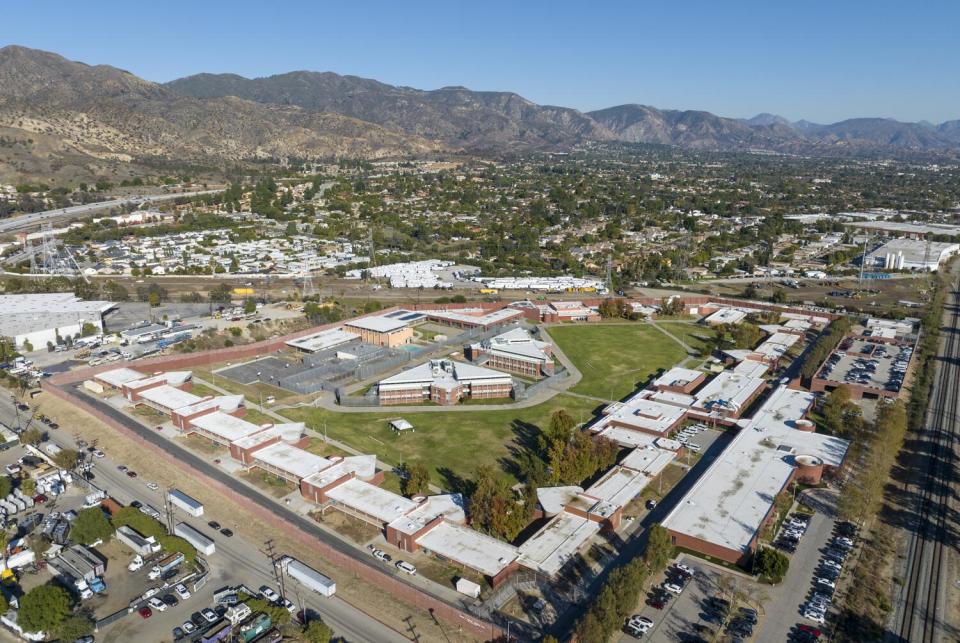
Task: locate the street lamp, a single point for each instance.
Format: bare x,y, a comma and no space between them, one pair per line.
260,390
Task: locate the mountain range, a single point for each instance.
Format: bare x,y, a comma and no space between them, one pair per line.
60,117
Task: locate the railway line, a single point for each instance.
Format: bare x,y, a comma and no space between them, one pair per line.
921,618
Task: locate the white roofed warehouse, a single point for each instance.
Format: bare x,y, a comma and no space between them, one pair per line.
36,319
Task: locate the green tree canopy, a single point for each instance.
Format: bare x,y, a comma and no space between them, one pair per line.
772,565
74,627
316,631
659,549
90,525
66,458
417,480
43,609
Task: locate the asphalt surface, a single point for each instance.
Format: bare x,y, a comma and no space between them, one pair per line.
235,561
38,218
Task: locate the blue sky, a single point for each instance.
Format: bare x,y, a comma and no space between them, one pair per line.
823,61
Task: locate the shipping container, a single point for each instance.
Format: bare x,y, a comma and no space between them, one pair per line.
202,543
185,502
307,576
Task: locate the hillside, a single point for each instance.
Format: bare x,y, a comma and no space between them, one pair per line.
64,114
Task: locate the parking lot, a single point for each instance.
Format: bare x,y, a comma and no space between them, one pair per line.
868,364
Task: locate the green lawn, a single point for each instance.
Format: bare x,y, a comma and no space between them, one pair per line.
616,358
447,442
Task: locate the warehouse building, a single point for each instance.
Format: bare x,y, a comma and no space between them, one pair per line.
911,254
515,351
723,513
444,382
37,319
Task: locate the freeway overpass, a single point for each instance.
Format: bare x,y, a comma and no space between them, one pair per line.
48,216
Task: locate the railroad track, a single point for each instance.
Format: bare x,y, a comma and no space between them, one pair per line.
920,618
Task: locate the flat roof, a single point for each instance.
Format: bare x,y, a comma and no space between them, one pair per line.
554,499
296,462
728,389
118,376
378,324
648,460
726,315
557,542
371,500
470,548
226,426
172,378
777,344
678,376
22,314
323,340
751,369
437,370
627,437
169,397
449,505
727,505
619,486
642,413
475,315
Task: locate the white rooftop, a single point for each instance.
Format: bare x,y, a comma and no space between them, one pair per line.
296,462
322,340
557,542
641,413
619,486
169,397
678,376
726,316
378,324
440,370
371,500
476,316
220,402
627,437
119,376
727,505
470,548
750,368
729,390
227,427
648,460
554,499
22,314
450,506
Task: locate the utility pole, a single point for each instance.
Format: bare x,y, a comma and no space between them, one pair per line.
271,554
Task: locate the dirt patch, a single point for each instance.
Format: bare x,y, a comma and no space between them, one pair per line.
202,446
355,529
356,591
269,484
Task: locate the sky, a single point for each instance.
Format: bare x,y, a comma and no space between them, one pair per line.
814,60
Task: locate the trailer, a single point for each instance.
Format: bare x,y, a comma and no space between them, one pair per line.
185,502
219,632
166,565
202,543
307,576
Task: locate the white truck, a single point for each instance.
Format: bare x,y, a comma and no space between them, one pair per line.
307,576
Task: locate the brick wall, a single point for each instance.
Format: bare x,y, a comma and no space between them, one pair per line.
401,590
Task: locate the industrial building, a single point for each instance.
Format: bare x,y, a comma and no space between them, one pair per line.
723,513
911,254
332,338
444,382
516,351
36,319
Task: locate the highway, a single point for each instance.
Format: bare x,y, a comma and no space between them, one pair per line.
235,561
922,613
37,218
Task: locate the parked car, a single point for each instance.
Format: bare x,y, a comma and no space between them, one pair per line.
145,612
381,555
213,524
406,567
182,591
268,593
188,627
673,588
226,532
157,604
209,615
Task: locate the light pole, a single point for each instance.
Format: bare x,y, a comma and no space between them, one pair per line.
260,390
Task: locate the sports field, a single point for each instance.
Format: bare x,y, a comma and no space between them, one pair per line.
451,443
616,358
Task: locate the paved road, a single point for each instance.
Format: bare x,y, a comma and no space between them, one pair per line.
235,561
37,218
282,512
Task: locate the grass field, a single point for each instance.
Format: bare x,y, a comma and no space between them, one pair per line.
615,358
452,444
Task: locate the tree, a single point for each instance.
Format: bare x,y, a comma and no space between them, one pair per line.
772,565
6,485
417,480
277,613
75,627
221,294
43,609
66,458
28,486
659,549
154,298
90,525
249,306
88,329
316,631
33,436
779,296
4,605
